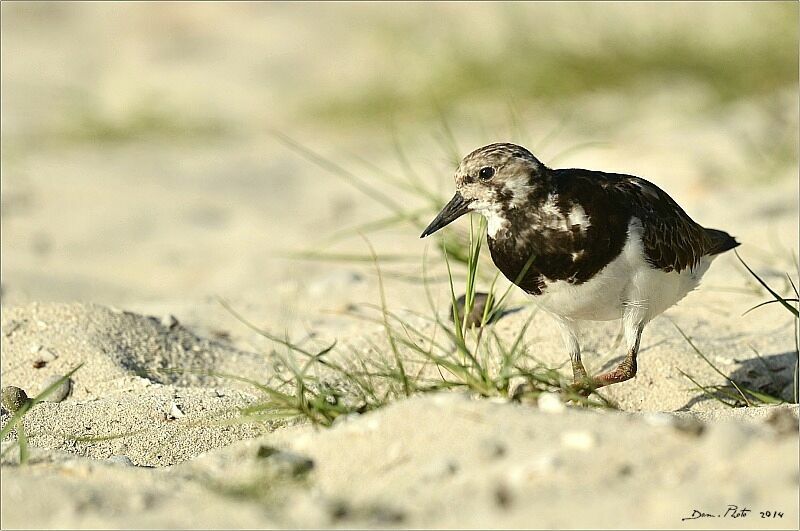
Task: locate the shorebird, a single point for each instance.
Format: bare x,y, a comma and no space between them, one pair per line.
587,245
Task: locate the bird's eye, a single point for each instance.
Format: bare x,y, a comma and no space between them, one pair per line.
486,173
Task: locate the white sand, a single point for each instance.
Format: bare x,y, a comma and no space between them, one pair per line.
103,240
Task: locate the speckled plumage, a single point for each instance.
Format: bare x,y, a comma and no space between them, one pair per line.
588,245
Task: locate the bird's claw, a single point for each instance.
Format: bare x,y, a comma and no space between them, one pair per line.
584,386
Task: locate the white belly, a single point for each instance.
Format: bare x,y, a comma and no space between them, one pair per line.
628,281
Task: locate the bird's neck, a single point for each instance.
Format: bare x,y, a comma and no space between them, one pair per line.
521,214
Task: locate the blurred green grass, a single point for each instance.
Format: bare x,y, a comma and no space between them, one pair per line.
756,61
146,119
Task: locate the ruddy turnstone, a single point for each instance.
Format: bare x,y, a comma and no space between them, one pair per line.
587,245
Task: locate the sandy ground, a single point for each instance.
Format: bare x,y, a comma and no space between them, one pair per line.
113,254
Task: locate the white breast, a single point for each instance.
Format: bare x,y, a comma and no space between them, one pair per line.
628,281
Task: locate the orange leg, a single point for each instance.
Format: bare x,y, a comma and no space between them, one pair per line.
623,372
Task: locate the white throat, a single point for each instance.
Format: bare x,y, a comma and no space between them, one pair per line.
495,222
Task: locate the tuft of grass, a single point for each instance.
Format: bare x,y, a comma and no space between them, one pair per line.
428,355
733,394
424,355
736,393
776,297
17,418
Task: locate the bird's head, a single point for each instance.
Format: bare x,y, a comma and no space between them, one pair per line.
490,180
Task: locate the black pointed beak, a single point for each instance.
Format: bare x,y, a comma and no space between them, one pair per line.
457,207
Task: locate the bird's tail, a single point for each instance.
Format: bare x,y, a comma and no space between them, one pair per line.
721,241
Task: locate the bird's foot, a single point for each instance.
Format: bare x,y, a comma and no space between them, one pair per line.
625,371
583,386
582,383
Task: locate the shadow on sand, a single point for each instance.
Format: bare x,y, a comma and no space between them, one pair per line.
774,375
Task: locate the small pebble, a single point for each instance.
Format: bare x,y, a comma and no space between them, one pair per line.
120,460
659,420
59,393
344,419
47,354
579,440
169,321
550,403
13,398
475,317
175,412
373,424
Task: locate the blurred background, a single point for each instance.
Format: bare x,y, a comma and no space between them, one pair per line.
157,154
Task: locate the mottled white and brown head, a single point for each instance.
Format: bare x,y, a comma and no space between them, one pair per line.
492,181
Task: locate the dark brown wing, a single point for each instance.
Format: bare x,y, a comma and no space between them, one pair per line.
672,240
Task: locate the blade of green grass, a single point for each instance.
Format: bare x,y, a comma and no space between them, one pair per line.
22,440
772,292
766,303
331,167
704,358
705,389
392,343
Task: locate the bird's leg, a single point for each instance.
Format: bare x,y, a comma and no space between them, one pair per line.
569,334
578,370
627,369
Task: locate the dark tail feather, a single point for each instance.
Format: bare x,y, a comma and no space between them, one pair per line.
721,241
